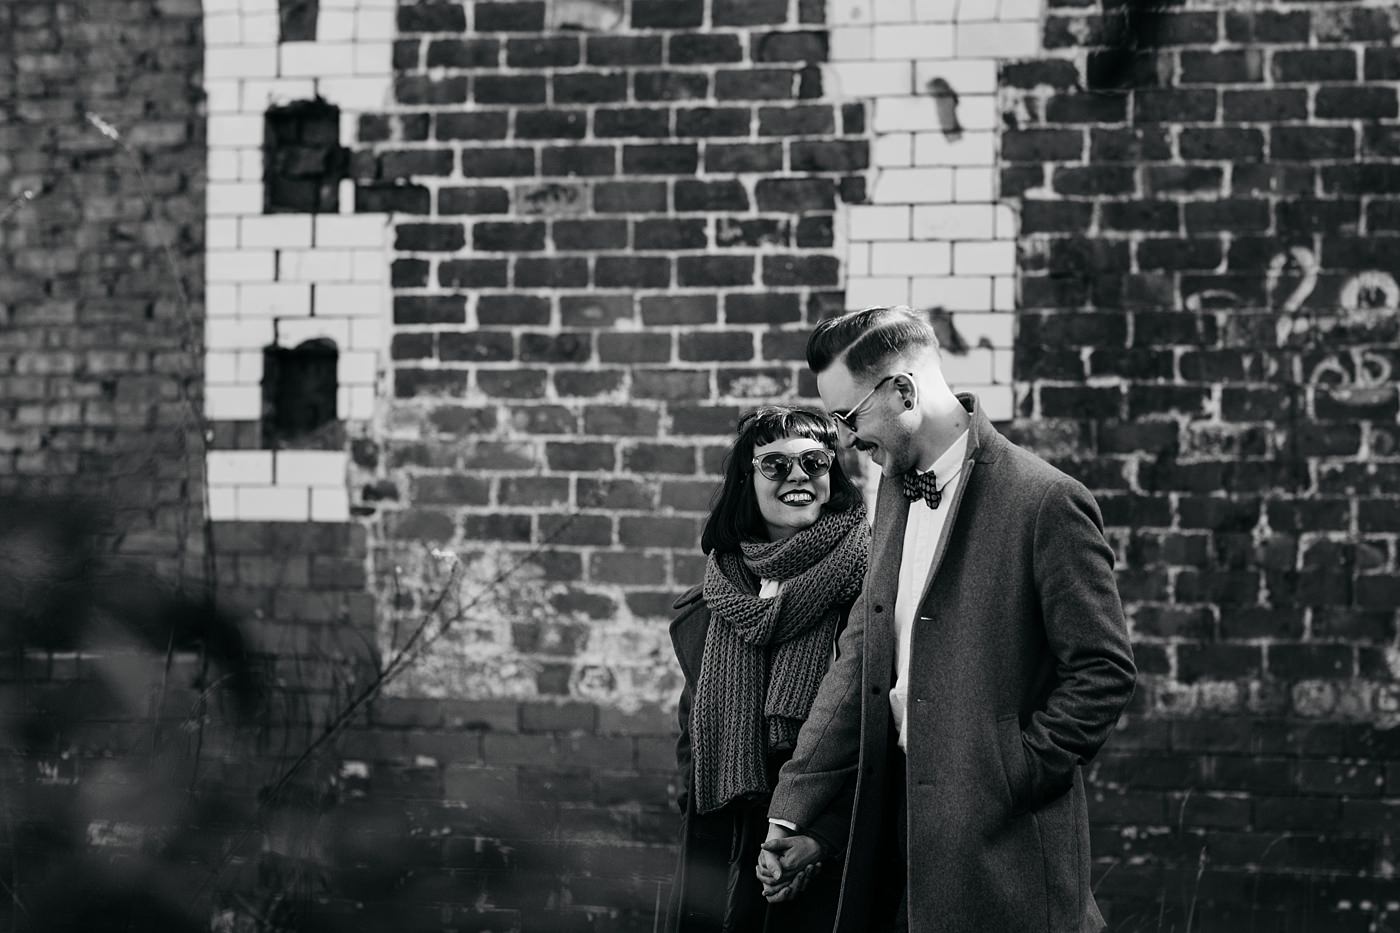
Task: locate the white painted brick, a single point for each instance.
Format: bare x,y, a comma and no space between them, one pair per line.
262,26
374,58
964,76
1008,222
370,265
978,112
250,366
223,96
879,222
276,230
1004,293
262,94
905,114
928,40
893,150
346,187
274,300
914,186
273,504
376,26
954,222
975,367
250,165
976,185
233,198
986,328
1027,10
330,505
1003,366
869,79
355,94
245,61
221,368
911,259
354,403
309,468
872,291
293,332
239,467
238,265
335,25
211,7
238,334
349,128
939,11
233,131
221,300
352,230
358,4
351,300
852,43
221,233
953,293
997,257
977,11
316,59
972,148
223,504
314,265
996,402
233,403
366,334
222,165
1003,40
893,11
357,367
858,259
848,13
223,28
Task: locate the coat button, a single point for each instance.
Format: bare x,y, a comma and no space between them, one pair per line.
879,608
875,691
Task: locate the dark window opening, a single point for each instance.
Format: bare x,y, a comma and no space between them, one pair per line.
299,395
298,20
303,161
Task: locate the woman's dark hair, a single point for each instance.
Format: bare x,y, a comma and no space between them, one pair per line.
868,338
734,515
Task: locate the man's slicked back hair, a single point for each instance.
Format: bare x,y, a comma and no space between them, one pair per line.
869,339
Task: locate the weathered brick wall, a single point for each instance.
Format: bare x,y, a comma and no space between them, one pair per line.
1206,336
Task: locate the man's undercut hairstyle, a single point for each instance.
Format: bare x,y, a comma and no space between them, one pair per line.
868,339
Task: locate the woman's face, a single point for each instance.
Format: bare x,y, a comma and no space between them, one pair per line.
795,501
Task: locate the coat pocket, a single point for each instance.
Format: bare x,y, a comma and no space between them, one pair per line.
1013,762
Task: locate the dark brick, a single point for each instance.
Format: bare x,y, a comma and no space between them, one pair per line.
1312,215
1141,215
408,273
587,384
551,52
412,383
1309,143
1099,108
432,17
1234,66
556,348
667,14
420,89
473,273
476,346
713,121
551,272
410,162
1138,144
749,12
464,53
670,234
672,310
512,310
1082,180
498,163
623,50
451,490
756,84
801,270
1194,253
704,48
1268,26
1174,105
595,310
743,158
512,383
795,195
401,199
406,54
429,237
661,159
789,46
472,125
726,195
507,237
1271,106
715,271
590,234
1312,65
799,120
621,420
1040,216
1042,145
632,272
578,160
551,124
586,88
510,89
413,346
727,347
580,456
1382,64
634,348
1230,144
479,200
509,17
671,85
1234,215
630,197
632,121
671,384
1356,103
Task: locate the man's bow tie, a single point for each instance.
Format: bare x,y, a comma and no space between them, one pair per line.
923,486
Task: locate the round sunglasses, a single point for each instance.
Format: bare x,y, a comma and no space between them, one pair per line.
814,462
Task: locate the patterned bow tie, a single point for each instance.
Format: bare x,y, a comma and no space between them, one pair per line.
923,486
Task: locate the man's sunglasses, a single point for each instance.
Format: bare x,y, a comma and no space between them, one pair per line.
815,462
849,417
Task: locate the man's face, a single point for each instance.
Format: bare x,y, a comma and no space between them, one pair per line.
884,428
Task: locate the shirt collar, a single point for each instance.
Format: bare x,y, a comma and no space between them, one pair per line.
950,462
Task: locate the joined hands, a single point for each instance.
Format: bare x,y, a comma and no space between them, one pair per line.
786,864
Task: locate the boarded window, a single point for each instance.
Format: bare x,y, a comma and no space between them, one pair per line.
299,397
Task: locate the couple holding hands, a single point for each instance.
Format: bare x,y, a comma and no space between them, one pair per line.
886,730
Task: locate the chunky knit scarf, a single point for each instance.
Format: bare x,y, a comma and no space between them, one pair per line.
764,658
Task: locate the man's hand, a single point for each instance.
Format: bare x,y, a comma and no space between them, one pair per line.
786,863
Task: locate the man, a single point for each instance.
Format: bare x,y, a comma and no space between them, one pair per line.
984,665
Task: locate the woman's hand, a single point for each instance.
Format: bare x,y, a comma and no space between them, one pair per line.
786,863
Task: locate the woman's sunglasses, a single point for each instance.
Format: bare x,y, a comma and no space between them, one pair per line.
815,462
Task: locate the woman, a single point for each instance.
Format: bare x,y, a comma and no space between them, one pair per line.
787,542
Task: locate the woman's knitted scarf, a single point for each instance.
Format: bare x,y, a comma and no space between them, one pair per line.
764,658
